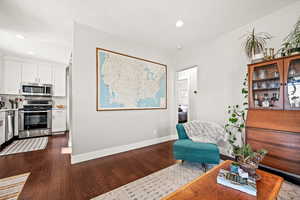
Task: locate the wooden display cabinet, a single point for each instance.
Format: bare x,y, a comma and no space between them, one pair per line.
273,120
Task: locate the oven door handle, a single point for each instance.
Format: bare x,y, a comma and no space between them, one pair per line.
36,111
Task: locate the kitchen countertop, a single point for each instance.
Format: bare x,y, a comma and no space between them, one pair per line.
8,109
58,108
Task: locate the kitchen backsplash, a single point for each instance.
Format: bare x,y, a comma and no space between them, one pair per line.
6,98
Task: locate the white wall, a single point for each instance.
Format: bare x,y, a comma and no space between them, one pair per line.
92,130
1,72
223,64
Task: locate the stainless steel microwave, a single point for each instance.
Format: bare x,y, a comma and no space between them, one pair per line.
35,89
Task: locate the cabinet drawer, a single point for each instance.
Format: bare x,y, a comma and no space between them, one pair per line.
281,138
283,148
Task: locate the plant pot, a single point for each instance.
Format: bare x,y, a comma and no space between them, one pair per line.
257,58
294,51
250,169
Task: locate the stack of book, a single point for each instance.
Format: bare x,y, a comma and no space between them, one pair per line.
233,180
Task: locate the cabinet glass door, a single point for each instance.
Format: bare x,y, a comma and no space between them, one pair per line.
265,86
292,84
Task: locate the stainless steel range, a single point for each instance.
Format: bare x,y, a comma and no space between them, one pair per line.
35,118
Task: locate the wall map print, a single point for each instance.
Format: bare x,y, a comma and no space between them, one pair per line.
129,83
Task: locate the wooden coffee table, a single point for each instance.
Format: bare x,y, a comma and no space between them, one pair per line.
206,187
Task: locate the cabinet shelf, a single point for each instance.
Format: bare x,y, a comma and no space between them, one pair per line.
266,79
265,89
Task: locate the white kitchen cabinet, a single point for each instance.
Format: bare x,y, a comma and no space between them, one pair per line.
2,127
14,71
59,81
45,73
1,75
12,77
36,73
59,120
29,73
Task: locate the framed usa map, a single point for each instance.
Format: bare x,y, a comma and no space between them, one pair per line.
129,83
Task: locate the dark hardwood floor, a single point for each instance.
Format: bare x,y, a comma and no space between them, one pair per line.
53,177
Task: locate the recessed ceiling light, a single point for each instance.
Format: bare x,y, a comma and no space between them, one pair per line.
179,23
20,36
30,53
179,47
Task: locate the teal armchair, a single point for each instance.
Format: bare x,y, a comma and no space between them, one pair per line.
186,150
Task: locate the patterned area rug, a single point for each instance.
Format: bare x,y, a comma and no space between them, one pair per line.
25,145
11,187
161,183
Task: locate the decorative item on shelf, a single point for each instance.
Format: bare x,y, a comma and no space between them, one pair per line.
292,72
272,53
266,103
256,100
273,99
276,74
291,44
263,85
262,74
269,53
266,54
254,75
295,102
272,84
254,45
255,86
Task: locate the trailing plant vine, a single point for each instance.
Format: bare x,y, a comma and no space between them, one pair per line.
237,119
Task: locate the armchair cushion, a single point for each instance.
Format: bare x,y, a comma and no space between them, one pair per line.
188,150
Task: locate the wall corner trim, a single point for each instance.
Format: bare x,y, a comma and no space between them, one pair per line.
119,149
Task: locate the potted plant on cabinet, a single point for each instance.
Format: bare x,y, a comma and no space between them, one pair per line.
244,155
291,44
255,44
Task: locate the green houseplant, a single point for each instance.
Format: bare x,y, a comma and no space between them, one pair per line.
291,44
255,43
244,155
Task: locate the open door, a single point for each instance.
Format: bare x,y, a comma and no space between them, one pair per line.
186,85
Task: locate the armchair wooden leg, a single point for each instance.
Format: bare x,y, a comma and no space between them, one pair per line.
204,166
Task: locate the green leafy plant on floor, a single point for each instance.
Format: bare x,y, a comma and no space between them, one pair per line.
236,124
237,119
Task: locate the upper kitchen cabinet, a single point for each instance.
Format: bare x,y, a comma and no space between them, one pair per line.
36,73
29,73
59,81
45,73
11,77
1,75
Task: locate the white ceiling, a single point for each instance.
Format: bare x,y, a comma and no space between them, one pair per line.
47,24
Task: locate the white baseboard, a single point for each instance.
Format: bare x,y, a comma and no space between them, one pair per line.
110,151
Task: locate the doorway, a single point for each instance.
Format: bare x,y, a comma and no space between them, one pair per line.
186,84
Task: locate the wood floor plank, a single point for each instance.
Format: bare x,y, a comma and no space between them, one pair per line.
53,177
